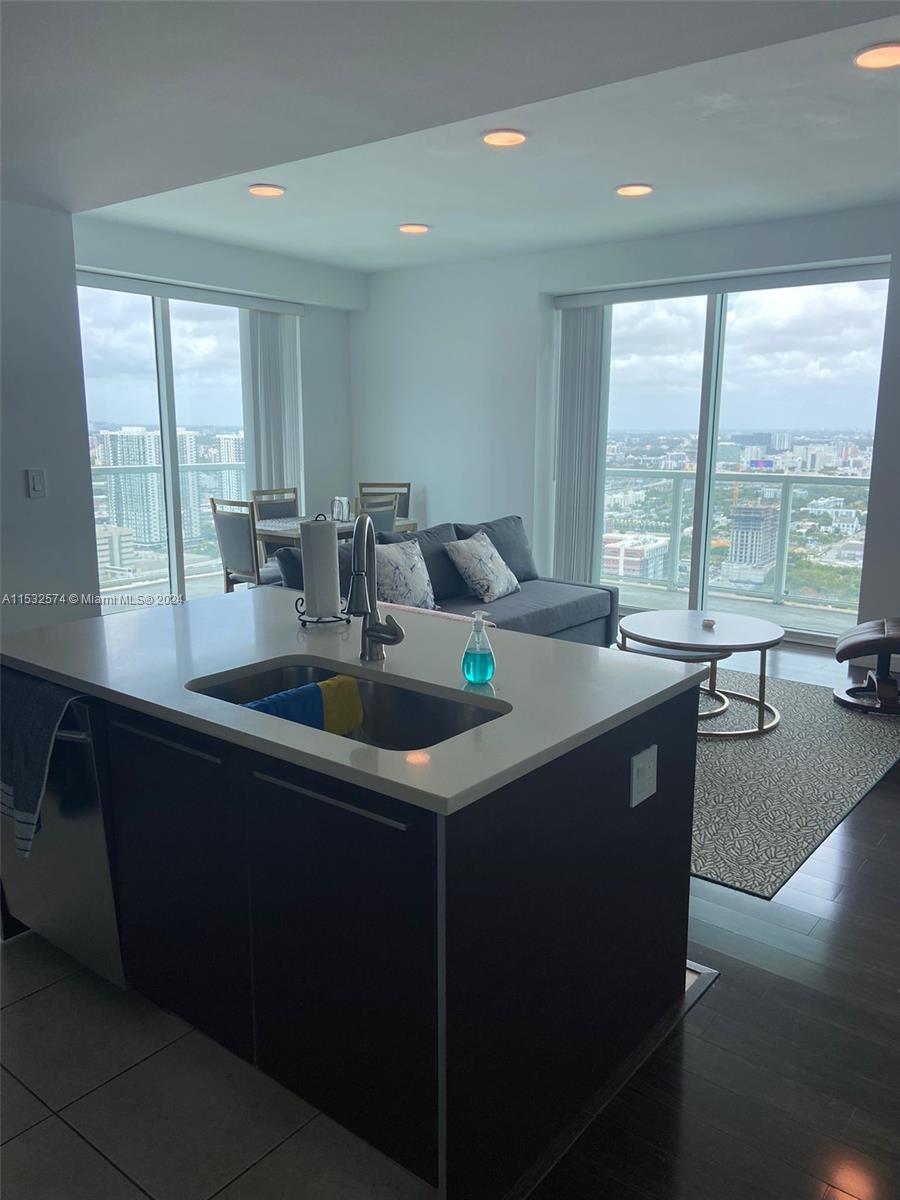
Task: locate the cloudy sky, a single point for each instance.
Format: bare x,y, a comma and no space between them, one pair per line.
795,358
120,368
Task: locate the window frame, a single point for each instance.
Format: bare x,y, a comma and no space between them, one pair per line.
717,289
159,296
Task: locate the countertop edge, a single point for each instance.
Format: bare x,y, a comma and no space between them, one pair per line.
440,803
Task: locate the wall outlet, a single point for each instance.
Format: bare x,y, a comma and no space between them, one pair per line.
643,775
35,483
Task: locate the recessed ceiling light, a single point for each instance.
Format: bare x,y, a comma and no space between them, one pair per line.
414,228
876,58
266,189
634,189
504,138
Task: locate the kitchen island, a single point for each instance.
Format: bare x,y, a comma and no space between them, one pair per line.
450,932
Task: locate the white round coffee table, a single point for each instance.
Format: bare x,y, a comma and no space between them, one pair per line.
682,635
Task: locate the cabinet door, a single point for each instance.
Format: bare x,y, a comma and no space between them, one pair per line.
180,858
567,913
343,899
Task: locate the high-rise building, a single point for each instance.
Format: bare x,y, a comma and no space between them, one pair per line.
115,552
134,497
754,543
753,452
189,485
230,449
635,556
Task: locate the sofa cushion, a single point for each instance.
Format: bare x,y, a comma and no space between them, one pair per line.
402,575
478,561
290,564
509,536
445,579
541,606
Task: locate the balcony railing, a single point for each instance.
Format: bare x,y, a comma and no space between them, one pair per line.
148,571
671,516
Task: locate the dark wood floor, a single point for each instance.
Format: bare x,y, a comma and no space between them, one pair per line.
783,1082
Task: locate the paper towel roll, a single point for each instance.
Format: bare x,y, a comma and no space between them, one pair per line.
321,581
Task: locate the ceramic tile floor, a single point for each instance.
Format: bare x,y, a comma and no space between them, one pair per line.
104,1096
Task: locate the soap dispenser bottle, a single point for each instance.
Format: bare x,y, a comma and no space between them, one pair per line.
478,659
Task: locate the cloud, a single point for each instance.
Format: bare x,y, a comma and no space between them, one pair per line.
118,346
802,358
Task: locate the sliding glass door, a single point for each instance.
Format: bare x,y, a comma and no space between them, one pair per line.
796,426
655,371
209,416
118,348
736,439
165,409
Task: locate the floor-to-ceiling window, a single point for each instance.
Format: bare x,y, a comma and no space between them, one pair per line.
736,438
206,375
655,369
118,347
796,423
149,361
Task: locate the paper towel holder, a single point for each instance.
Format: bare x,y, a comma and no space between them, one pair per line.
300,608
300,605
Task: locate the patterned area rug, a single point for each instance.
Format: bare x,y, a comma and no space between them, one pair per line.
762,805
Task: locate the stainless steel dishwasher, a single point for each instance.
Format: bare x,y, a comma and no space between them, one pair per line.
64,889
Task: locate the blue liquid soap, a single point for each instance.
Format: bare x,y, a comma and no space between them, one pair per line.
478,663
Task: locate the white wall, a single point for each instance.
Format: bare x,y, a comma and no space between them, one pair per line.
451,367
325,376
156,254
443,370
47,545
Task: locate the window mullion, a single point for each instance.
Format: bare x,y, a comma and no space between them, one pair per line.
596,571
710,391
169,440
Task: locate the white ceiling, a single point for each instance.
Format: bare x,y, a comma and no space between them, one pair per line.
788,129
103,102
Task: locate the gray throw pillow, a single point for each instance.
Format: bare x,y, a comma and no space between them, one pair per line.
446,581
478,561
290,564
402,576
508,535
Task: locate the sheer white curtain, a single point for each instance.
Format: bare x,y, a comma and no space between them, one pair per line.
583,343
273,414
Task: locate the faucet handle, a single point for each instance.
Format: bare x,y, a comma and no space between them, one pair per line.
387,632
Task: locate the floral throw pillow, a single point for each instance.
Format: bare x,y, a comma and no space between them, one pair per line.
478,561
402,575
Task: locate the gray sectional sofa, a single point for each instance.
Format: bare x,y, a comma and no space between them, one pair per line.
575,612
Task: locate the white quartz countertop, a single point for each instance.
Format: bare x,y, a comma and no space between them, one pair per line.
557,694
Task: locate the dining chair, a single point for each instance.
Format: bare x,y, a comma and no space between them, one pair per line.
402,491
235,526
269,503
381,509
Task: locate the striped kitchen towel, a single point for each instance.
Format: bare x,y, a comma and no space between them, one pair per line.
30,713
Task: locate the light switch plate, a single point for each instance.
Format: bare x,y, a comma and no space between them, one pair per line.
643,775
35,483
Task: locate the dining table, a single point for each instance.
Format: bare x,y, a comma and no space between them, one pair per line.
286,530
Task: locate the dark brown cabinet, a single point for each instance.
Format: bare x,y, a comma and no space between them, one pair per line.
344,957
179,849
453,989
